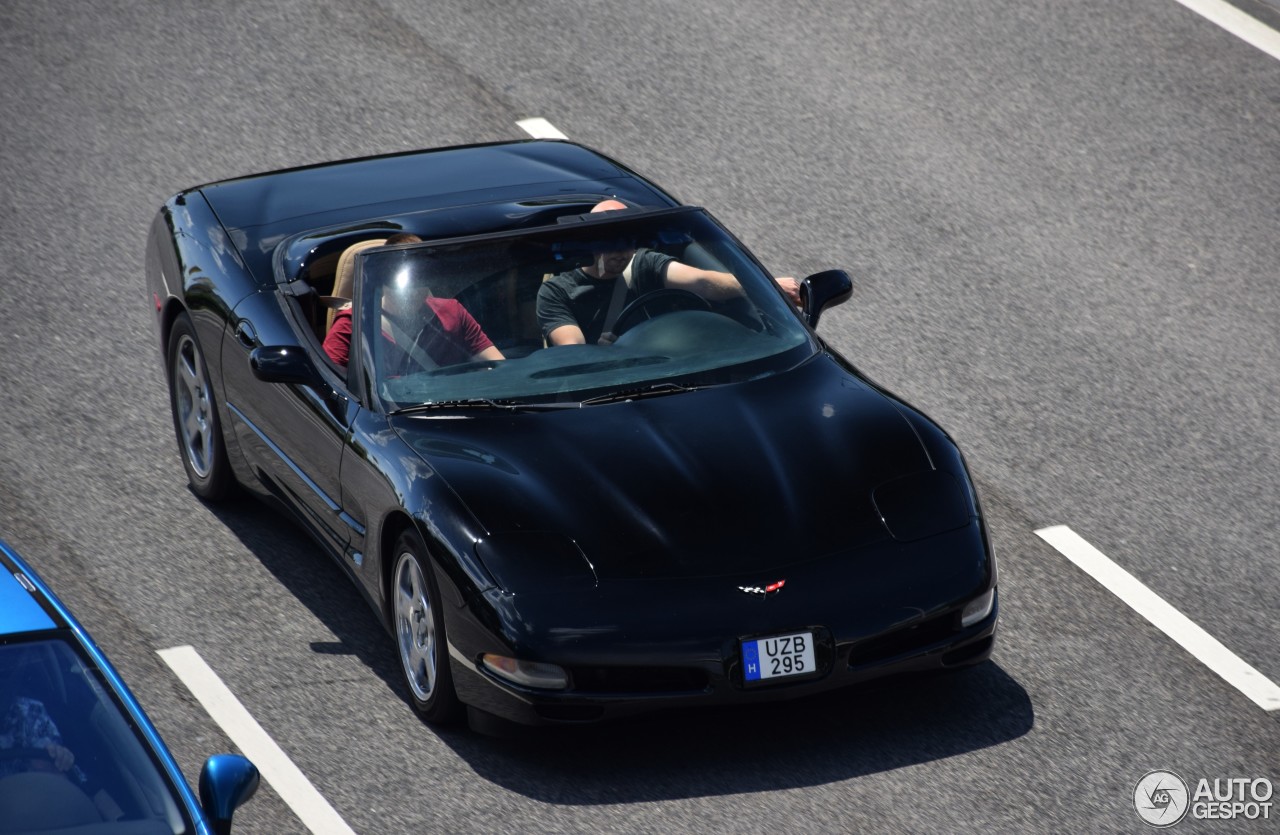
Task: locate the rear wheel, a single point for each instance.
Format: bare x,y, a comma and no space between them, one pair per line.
419,628
195,415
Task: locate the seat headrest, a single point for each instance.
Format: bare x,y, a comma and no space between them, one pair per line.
345,274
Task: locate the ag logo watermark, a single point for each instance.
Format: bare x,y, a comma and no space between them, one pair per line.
1162,798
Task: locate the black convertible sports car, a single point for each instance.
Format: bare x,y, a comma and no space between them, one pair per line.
706,506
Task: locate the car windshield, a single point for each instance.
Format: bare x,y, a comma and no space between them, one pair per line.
70,757
435,317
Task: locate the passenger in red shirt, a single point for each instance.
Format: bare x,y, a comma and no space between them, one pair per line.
451,336
457,336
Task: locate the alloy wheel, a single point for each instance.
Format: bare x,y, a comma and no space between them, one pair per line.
415,627
193,403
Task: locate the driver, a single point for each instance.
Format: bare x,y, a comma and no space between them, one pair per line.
26,726
580,306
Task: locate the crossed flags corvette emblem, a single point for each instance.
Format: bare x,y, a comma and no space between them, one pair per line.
765,591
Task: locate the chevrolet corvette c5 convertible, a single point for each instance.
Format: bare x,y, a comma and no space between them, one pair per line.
705,505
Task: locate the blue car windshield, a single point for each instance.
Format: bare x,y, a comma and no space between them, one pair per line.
71,759
650,298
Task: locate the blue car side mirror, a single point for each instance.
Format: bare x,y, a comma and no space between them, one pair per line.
227,781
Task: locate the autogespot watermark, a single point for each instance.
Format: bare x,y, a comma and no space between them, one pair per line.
1162,798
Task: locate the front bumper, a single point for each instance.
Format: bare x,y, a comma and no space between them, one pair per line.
602,692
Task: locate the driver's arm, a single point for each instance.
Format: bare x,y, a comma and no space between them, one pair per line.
555,316
709,284
716,286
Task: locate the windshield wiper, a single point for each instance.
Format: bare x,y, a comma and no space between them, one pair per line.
481,403
655,390
489,404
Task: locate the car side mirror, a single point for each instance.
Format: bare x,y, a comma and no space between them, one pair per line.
823,290
284,364
227,781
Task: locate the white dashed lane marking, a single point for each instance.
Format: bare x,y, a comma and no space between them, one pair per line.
275,766
540,128
1248,29
1207,649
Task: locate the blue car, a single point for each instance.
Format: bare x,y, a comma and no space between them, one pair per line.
77,754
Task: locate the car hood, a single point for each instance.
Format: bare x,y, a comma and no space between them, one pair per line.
728,479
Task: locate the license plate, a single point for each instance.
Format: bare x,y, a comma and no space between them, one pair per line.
777,656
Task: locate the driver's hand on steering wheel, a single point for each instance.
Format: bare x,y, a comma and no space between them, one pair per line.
606,338
61,757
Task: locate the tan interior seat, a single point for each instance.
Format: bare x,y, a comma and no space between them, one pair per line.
343,278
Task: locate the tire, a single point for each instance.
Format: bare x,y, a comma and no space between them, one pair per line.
195,415
418,624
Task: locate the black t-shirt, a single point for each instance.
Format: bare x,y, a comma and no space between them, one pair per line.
575,298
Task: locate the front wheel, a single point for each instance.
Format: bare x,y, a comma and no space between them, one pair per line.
419,629
195,415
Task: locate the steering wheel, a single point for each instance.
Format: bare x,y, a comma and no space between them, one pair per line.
655,303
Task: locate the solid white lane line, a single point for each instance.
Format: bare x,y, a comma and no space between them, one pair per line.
277,769
540,128
1248,29
1167,619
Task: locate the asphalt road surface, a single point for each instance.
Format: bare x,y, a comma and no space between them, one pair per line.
1062,222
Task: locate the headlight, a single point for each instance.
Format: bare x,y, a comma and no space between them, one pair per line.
529,562
978,608
921,505
526,673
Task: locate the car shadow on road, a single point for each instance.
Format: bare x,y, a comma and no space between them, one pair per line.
813,741
671,755
316,582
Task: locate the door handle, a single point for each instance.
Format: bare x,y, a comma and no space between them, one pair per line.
246,336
